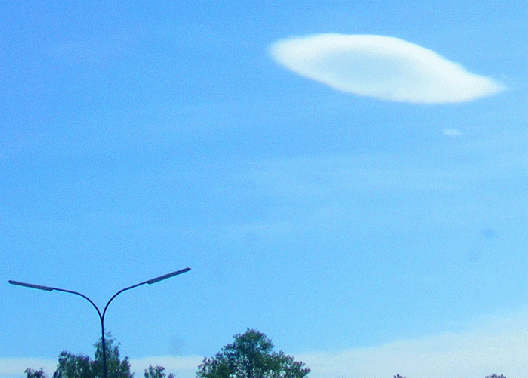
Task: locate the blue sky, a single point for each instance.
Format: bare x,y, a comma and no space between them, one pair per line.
347,223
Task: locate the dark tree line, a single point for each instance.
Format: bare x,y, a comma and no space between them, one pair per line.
251,355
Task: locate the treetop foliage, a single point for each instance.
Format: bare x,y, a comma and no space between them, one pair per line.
251,355
156,372
80,366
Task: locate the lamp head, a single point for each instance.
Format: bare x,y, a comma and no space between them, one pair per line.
31,286
166,276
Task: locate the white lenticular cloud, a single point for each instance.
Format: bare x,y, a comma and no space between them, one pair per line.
381,67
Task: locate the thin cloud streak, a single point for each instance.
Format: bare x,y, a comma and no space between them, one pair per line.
496,346
451,132
15,367
381,67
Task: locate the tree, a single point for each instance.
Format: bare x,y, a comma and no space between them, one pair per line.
30,373
80,366
251,356
156,372
116,368
74,366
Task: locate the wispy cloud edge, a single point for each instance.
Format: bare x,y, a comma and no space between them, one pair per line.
497,345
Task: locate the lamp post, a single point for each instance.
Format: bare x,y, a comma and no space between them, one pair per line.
101,314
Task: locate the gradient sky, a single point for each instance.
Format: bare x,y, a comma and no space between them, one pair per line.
366,234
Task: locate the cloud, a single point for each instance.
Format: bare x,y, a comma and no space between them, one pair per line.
381,67
15,367
494,346
451,132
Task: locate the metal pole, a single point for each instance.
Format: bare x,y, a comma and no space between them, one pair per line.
103,344
101,315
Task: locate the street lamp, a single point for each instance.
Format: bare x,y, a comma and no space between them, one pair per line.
101,315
